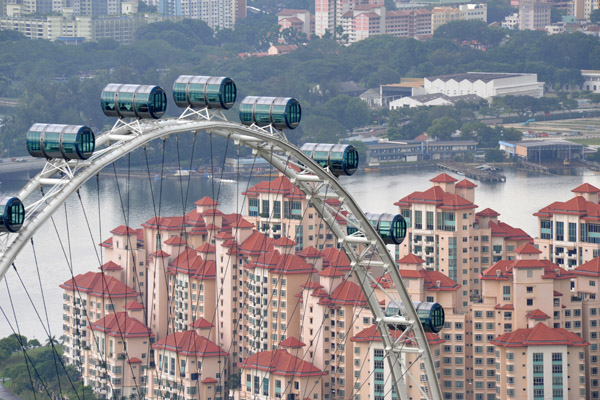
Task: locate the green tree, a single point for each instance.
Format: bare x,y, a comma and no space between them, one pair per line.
442,128
494,155
595,16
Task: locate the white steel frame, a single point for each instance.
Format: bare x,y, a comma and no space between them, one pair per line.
60,178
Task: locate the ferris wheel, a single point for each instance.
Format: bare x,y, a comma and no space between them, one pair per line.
74,155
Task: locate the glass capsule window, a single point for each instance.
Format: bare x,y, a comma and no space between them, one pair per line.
12,214
71,142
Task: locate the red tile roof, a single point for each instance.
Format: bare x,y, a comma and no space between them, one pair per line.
437,196
256,243
207,201
576,206
134,305
502,229
540,335
110,266
284,242
411,259
290,264
241,223
488,212
503,270
331,272
311,285
309,252
280,362
107,243
206,248
281,185
212,212
586,188
175,241
189,343
371,334
528,249
123,230
160,253
166,223
443,178
292,343
209,380
537,314
465,183
201,323
121,325
590,268
348,293
430,280
333,257
100,285
134,360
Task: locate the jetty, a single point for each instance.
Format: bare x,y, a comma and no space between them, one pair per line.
472,172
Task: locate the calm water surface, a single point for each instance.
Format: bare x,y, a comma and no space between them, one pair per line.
521,195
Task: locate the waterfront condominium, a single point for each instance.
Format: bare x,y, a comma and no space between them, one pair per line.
569,231
446,231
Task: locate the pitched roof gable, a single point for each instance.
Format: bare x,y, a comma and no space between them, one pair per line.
280,362
540,335
189,343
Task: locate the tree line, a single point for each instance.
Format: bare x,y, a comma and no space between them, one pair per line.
61,84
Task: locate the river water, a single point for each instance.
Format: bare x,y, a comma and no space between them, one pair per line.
516,199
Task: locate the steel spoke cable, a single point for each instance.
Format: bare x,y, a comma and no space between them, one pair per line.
104,283
54,354
130,252
214,316
157,213
69,262
20,340
50,338
77,290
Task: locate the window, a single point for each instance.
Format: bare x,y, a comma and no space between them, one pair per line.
572,232
529,302
506,293
253,207
560,231
418,220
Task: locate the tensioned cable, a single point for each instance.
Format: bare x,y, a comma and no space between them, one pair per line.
47,319
157,219
76,289
136,281
20,340
319,330
194,312
104,287
50,338
182,231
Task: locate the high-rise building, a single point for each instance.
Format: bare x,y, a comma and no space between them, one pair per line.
569,231
533,14
445,230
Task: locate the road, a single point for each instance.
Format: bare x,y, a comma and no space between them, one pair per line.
6,395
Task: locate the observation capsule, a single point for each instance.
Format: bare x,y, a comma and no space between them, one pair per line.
71,142
342,159
12,214
431,315
133,101
391,227
204,91
281,112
